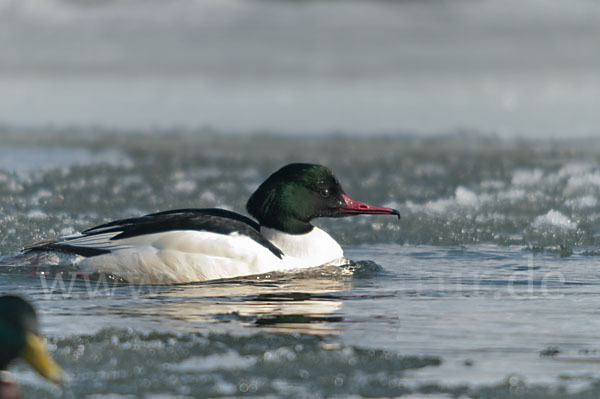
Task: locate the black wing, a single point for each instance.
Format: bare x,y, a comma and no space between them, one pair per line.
209,219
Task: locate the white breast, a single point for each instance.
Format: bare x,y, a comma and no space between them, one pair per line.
315,248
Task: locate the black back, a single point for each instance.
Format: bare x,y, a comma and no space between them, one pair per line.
208,219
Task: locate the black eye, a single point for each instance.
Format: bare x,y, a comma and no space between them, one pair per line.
324,192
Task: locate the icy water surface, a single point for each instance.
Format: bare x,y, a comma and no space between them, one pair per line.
488,287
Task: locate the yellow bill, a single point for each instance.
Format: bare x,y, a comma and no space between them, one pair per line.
36,354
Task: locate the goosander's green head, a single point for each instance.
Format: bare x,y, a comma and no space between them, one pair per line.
297,193
19,337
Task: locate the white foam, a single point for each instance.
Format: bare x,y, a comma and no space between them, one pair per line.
465,197
586,201
575,169
439,206
185,186
67,231
208,197
526,177
554,219
583,182
41,194
37,214
223,361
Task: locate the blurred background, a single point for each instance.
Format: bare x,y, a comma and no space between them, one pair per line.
478,120
507,68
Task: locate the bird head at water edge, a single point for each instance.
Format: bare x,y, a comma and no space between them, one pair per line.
20,337
297,193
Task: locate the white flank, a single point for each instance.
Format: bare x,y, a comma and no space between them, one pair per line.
311,249
186,256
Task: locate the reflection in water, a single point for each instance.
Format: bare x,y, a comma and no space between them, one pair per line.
275,303
309,301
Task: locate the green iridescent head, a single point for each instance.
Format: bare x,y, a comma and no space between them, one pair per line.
297,193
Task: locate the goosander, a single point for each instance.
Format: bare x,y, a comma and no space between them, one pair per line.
188,245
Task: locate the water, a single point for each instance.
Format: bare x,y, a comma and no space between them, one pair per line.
487,287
